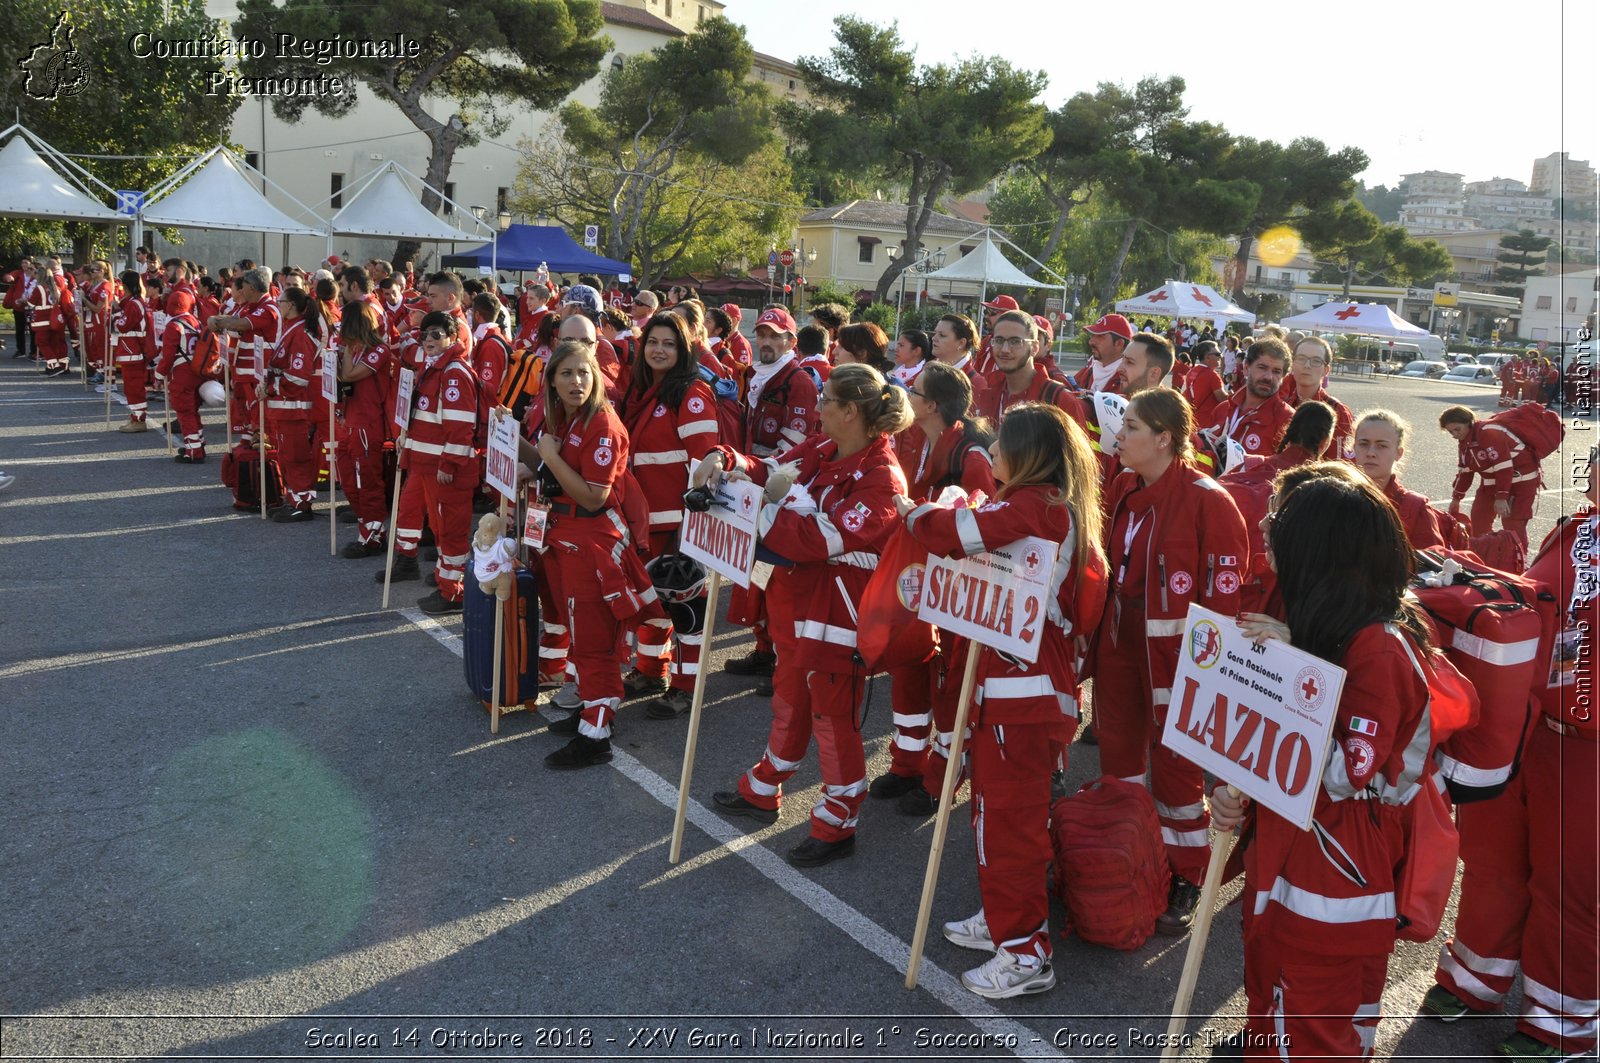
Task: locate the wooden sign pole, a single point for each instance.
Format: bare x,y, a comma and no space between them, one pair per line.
713,586
952,772
261,405
394,515
1199,933
499,638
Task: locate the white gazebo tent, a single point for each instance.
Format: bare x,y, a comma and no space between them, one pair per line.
986,265
36,181
1184,299
1362,319
385,206
217,191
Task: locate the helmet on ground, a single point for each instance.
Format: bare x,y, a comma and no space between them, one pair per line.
212,394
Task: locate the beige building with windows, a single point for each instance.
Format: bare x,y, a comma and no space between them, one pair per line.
1555,308
853,243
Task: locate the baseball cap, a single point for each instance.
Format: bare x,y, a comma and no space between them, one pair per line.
1002,302
584,296
1044,326
647,298
733,311
1115,324
179,302
778,319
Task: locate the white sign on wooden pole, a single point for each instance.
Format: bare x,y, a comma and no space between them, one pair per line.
723,538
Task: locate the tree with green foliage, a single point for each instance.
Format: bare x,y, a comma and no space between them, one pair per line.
1299,178
1383,201
1353,243
482,61
938,130
107,101
1521,255
677,164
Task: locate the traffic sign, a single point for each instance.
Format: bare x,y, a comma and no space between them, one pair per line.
786,257
129,201
772,258
591,236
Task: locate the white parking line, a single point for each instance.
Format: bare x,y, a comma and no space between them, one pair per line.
866,933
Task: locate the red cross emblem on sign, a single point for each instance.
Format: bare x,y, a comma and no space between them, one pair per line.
1202,298
1348,312
1309,688
1159,296
1032,560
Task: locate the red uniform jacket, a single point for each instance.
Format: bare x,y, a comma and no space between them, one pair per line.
667,444
994,401
1420,520
136,338
783,415
1188,544
491,353
736,349
1499,457
1200,386
370,400
819,366
1344,425
834,548
293,374
177,342
261,324
1565,565
444,425
1257,431
1331,889
1008,690
928,470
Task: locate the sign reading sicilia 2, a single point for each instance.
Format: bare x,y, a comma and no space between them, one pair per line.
999,599
1259,717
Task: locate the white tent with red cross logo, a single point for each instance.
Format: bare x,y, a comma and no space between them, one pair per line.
1184,299
1363,319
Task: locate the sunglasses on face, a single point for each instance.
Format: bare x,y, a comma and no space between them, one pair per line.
434,334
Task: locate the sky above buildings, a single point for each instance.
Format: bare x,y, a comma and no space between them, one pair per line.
1476,88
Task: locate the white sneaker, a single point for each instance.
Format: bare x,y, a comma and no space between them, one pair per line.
1006,975
971,933
567,697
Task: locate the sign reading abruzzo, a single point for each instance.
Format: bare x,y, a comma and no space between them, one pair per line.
1259,717
723,538
998,599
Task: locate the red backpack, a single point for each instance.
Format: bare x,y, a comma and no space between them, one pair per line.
1538,429
1110,865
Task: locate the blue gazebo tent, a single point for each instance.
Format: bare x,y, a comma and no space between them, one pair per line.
523,247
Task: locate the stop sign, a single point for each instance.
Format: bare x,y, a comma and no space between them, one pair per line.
786,257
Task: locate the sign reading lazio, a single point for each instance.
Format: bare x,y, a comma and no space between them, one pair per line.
1259,717
723,538
999,598
500,463
402,400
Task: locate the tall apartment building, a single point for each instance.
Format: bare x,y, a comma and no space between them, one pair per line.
1561,177
1435,203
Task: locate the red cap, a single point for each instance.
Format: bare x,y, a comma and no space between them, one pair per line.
1044,325
779,320
733,311
1115,324
179,302
1003,302
335,260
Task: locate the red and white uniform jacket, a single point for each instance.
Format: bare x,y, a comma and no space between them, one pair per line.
491,353
667,444
929,470
259,333
178,338
134,330
736,350
1566,565
818,366
995,400
444,422
1505,464
292,374
1335,883
528,320
98,293
980,383
1420,520
371,399
1257,431
1009,690
1200,386
783,414
1344,424
833,543
1179,540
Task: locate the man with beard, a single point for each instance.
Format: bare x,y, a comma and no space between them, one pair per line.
1254,416
1014,341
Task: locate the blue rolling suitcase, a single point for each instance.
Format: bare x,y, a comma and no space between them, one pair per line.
519,658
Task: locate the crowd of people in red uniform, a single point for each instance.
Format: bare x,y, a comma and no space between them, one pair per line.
1268,500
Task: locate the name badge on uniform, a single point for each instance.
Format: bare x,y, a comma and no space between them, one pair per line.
537,524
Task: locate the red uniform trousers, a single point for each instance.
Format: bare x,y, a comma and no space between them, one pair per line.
1129,724
554,640
803,703
662,650
926,708
50,343
595,637
360,458
183,391
1523,496
448,508
135,373
1308,1007
291,439
911,700
1530,893
1011,767
244,411
94,341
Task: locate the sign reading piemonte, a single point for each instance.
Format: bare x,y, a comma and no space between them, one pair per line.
723,538
1259,717
500,460
999,599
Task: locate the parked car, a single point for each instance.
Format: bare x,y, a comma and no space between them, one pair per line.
1462,358
1428,370
1495,361
1473,374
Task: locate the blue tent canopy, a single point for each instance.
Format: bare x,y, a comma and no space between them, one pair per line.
523,247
